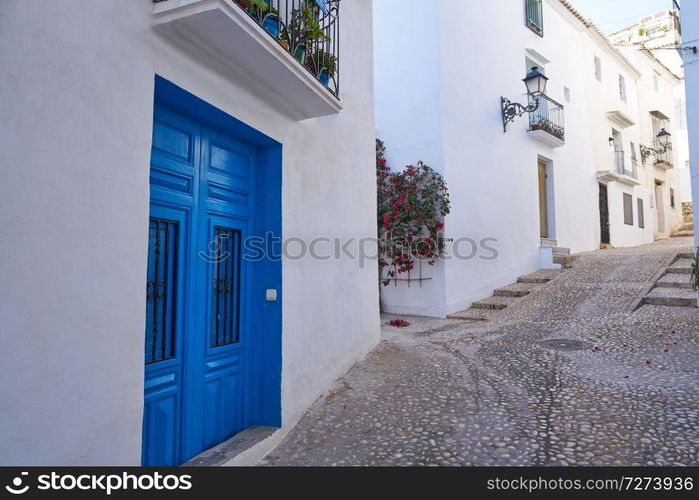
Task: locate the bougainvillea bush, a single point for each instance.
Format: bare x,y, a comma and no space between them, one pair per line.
411,205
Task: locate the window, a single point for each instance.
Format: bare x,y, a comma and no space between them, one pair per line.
628,209
225,296
633,153
535,16
160,290
641,220
672,198
598,69
566,94
622,88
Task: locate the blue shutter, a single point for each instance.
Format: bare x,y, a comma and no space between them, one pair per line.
323,4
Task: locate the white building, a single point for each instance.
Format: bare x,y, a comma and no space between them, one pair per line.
690,53
660,33
238,139
570,176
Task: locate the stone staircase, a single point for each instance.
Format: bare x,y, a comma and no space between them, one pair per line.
673,286
561,255
686,229
483,310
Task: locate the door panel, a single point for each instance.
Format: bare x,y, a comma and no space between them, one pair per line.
164,334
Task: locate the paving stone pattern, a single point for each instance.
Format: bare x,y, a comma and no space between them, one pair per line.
460,392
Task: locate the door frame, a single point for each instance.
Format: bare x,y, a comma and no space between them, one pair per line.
263,358
602,185
550,196
659,197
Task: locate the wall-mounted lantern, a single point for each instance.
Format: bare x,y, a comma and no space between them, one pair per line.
664,142
536,87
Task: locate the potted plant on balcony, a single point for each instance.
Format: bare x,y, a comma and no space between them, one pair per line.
304,32
264,13
325,65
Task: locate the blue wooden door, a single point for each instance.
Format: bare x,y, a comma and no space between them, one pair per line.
198,289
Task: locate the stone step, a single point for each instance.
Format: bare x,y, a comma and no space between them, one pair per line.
565,261
686,255
474,314
676,297
682,234
561,251
541,276
681,266
494,302
548,243
516,290
674,280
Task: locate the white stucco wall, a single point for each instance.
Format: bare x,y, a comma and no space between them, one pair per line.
76,104
492,176
690,30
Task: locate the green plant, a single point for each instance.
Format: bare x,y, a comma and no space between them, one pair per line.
257,8
641,31
305,26
323,59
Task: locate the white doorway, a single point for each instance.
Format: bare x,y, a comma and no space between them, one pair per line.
659,207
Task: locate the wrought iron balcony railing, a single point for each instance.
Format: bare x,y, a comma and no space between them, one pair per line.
665,157
625,167
308,29
548,117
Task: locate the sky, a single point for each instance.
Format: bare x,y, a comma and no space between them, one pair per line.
612,15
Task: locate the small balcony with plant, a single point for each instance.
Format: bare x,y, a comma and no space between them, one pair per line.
287,51
546,123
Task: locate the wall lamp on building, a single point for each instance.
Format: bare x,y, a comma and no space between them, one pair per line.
536,87
663,143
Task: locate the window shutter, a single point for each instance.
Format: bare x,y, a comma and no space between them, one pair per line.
323,4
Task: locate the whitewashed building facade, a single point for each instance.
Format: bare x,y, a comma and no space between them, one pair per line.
141,140
569,175
690,56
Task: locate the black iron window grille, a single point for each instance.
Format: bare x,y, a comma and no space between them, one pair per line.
225,297
308,29
547,117
535,16
160,290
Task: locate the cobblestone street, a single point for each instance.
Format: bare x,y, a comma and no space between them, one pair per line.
617,388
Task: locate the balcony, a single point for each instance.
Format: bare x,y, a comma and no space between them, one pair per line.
286,51
625,169
662,160
546,124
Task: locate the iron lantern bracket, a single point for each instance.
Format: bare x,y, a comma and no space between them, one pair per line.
510,109
646,151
